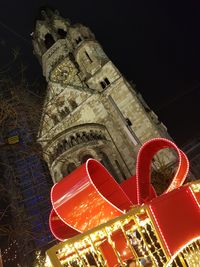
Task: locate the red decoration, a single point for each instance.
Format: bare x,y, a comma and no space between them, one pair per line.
177,216
87,197
90,196
143,167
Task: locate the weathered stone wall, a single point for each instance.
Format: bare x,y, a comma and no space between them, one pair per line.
90,109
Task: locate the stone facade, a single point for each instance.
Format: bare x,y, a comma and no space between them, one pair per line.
90,109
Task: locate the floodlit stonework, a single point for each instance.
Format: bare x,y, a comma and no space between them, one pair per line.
90,109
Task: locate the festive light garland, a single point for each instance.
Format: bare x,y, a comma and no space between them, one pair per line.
143,235
10,254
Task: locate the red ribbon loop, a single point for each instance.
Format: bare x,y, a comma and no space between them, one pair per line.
87,197
143,168
90,196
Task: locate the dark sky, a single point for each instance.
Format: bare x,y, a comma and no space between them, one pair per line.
155,44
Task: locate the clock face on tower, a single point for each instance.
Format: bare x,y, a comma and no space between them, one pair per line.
64,72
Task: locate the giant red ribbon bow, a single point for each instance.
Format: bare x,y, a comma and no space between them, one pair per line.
90,196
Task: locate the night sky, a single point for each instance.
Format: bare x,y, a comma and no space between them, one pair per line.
155,44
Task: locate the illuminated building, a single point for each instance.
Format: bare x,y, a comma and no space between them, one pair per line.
90,109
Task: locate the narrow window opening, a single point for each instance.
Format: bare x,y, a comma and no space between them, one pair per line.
107,81
62,33
71,57
129,123
103,84
49,40
87,55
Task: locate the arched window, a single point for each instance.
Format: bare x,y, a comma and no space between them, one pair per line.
49,41
85,158
104,83
62,33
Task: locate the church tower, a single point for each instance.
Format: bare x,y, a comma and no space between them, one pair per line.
90,109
